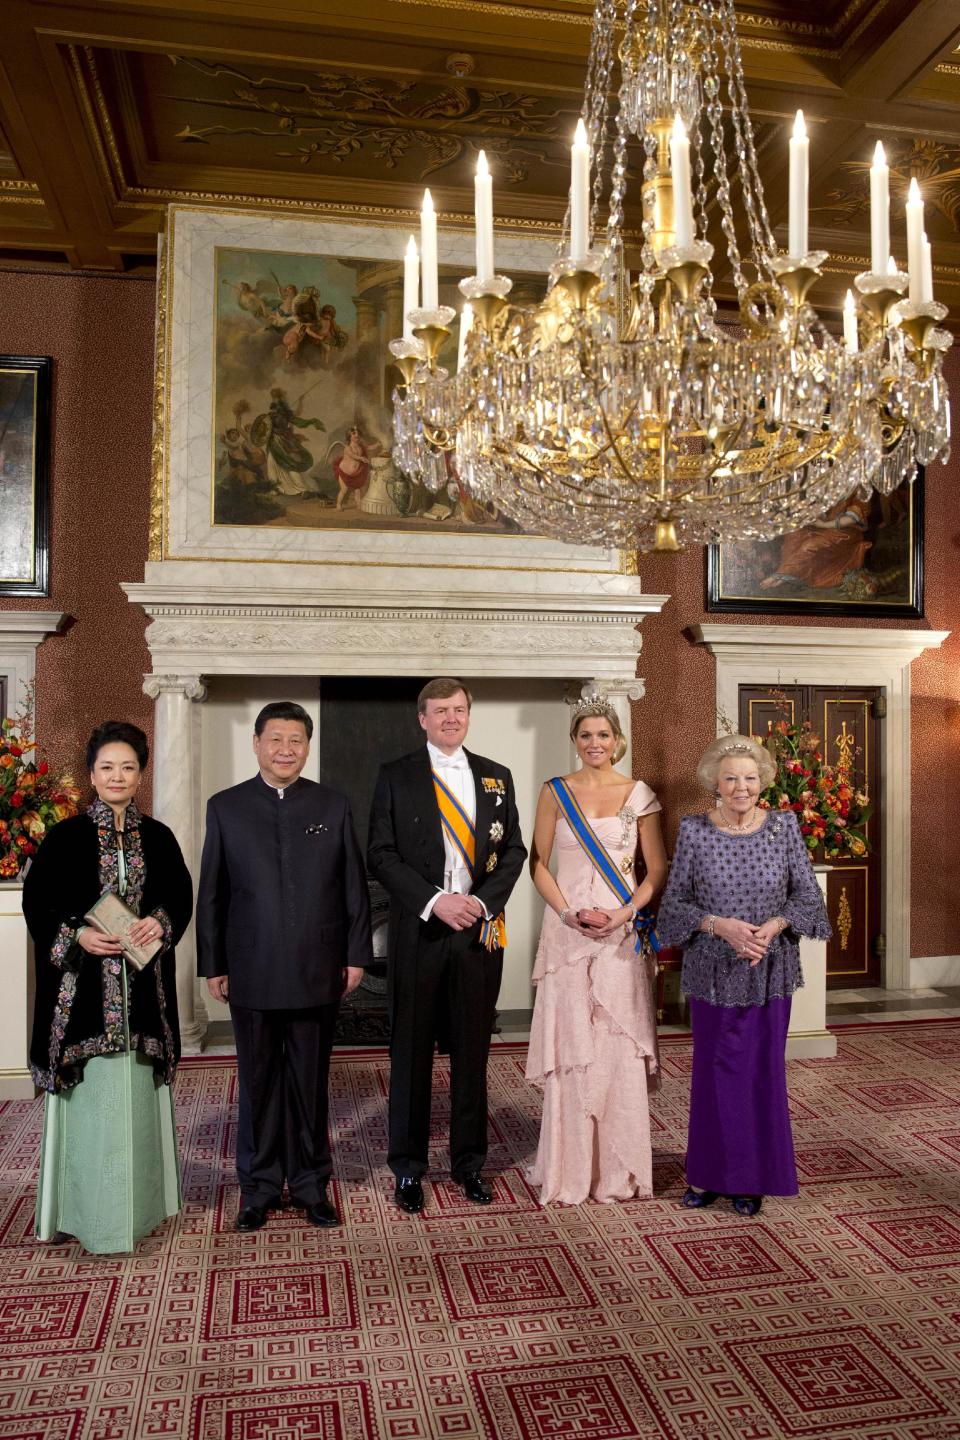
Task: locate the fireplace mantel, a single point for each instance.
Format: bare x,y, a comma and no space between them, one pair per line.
519,623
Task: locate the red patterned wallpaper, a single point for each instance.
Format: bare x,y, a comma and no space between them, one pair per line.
100,333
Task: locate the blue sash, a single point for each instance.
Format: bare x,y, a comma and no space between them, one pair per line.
596,852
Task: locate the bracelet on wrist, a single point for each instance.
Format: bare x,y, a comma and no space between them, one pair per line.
563,915
712,926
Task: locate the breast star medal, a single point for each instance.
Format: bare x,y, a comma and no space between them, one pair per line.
496,831
492,861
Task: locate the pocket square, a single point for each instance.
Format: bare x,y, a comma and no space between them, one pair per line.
314,829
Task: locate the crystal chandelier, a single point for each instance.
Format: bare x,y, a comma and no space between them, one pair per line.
628,411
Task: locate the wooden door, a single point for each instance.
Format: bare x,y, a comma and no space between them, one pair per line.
848,721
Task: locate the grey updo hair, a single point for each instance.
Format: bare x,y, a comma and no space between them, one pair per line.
739,747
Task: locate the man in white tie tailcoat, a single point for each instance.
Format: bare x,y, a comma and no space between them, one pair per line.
445,844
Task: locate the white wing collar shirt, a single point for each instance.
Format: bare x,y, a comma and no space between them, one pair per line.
454,770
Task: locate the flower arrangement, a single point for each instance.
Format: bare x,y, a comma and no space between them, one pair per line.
32,797
831,810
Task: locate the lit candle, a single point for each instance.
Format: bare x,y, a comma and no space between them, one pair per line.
892,266
682,194
915,241
797,244
411,285
879,210
579,194
850,337
466,325
926,274
483,210
428,253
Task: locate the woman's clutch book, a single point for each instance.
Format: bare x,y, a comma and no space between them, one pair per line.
112,917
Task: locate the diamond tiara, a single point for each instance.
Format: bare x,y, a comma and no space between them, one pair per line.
593,705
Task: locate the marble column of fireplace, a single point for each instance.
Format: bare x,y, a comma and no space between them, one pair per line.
210,619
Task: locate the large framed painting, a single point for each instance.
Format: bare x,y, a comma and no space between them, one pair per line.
273,403
24,474
865,557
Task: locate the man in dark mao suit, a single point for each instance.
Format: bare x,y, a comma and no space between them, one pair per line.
283,931
442,978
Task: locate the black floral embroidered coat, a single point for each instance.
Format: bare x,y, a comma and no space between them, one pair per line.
79,1005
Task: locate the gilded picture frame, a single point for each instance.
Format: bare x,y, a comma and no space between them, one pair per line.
25,392
865,558
272,401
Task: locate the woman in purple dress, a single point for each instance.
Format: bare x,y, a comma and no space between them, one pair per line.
741,891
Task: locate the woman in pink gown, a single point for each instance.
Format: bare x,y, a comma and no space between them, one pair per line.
593,1041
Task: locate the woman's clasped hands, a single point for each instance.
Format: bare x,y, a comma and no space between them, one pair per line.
749,941
598,924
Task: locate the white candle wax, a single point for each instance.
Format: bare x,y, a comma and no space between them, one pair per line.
483,211
411,285
428,253
466,325
879,211
797,244
579,194
926,273
915,240
850,337
682,193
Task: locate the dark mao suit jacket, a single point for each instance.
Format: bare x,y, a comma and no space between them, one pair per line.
283,903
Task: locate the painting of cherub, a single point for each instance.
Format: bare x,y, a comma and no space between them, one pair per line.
302,410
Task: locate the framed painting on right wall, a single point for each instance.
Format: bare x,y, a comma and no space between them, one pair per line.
865,557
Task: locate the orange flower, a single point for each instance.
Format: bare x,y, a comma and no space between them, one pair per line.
10,867
6,761
33,824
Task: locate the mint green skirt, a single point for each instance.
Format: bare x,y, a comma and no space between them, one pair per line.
109,1169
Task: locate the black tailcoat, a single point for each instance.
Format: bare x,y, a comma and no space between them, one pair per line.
441,981
283,903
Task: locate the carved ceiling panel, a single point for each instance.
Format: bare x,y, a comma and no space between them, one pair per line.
107,112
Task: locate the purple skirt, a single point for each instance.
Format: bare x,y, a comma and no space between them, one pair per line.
739,1141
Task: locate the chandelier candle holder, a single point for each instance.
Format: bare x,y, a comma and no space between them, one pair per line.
625,409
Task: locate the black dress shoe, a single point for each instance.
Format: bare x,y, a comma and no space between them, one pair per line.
475,1188
321,1212
408,1193
252,1217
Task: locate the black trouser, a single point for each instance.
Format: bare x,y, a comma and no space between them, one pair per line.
283,1066
441,981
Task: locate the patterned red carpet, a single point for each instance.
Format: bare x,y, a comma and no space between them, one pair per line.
836,1315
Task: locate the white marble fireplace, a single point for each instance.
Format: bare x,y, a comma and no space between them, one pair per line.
527,633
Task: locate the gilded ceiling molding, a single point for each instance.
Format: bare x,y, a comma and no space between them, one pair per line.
112,173
23,188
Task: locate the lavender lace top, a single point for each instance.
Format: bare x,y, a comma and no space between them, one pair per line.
752,877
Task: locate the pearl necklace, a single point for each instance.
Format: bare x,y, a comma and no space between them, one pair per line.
729,825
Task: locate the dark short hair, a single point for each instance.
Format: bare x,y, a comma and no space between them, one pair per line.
441,689
118,732
283,710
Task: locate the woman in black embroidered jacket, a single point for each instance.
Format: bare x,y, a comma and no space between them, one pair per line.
105,1039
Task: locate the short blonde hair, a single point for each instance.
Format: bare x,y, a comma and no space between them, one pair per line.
443,688
738,747
600,710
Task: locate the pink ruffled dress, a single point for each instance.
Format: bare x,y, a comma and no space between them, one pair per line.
593,1040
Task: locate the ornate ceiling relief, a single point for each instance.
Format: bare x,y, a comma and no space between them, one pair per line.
935,163
420,127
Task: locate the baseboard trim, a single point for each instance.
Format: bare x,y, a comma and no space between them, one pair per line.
931,970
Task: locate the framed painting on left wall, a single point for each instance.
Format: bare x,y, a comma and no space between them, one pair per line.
24,474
